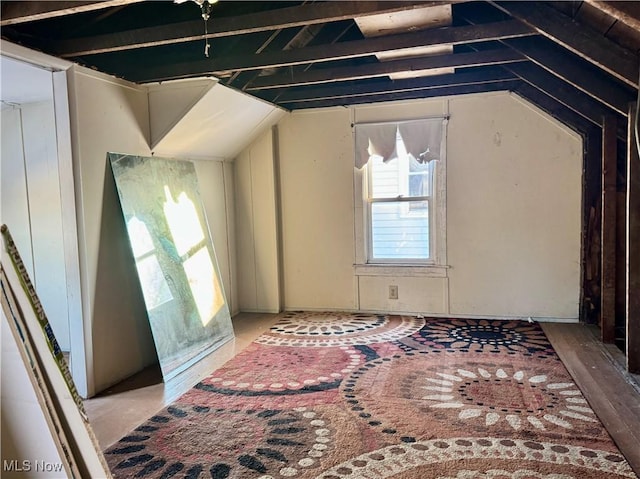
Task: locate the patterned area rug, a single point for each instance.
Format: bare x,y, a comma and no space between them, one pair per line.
346,396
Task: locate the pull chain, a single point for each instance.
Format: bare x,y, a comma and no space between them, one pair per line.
206,11
206,41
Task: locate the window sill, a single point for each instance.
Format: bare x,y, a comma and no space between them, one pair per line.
433,271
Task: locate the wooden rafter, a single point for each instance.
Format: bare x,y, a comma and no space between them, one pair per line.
348,89
342,50
22,12
554,108
408,95
602,52
282,39
329,34
560,63
564,93
625,12
227,26
326,75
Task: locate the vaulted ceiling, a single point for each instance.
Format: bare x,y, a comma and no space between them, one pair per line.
577,60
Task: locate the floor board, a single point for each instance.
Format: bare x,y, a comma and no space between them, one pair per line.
611,393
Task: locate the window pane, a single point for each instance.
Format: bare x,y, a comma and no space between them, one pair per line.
400,230
416,167
419,178
385,178
418,185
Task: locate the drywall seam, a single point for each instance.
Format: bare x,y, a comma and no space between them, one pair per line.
253,228
86,302
275,146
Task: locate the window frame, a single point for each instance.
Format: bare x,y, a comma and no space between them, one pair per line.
435,265
369,201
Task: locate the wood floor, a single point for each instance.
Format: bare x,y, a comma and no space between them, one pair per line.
597,369
123,407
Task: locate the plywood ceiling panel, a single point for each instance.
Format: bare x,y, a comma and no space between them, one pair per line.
409,21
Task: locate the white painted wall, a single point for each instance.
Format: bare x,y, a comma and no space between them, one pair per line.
513,212
215,181
31,205
45,209
108,115
256,228
316,171
14,186
514,195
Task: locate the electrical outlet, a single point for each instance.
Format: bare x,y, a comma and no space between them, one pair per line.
393,292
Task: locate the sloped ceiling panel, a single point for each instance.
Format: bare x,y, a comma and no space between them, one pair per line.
170,101
219,126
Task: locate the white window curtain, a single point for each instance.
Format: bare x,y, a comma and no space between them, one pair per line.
422,139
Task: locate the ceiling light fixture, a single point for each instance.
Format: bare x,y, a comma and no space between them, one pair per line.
205,8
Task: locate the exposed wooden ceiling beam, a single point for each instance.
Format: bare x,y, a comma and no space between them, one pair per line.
554,108
559,62
342,50
22,12
351,89
282,39
625,12
566,94
227,26
606,54
330,33
408,95
567,66
327,75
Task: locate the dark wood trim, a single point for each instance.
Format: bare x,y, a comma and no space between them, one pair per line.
337,51
608,230
592,46
326,75
227,26
508,85
633,247
564,65
14,13
591,204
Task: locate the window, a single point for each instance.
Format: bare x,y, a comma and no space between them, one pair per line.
403,191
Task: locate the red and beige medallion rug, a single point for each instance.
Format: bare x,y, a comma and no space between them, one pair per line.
360,396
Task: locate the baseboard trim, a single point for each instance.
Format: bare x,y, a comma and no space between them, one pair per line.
537,319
